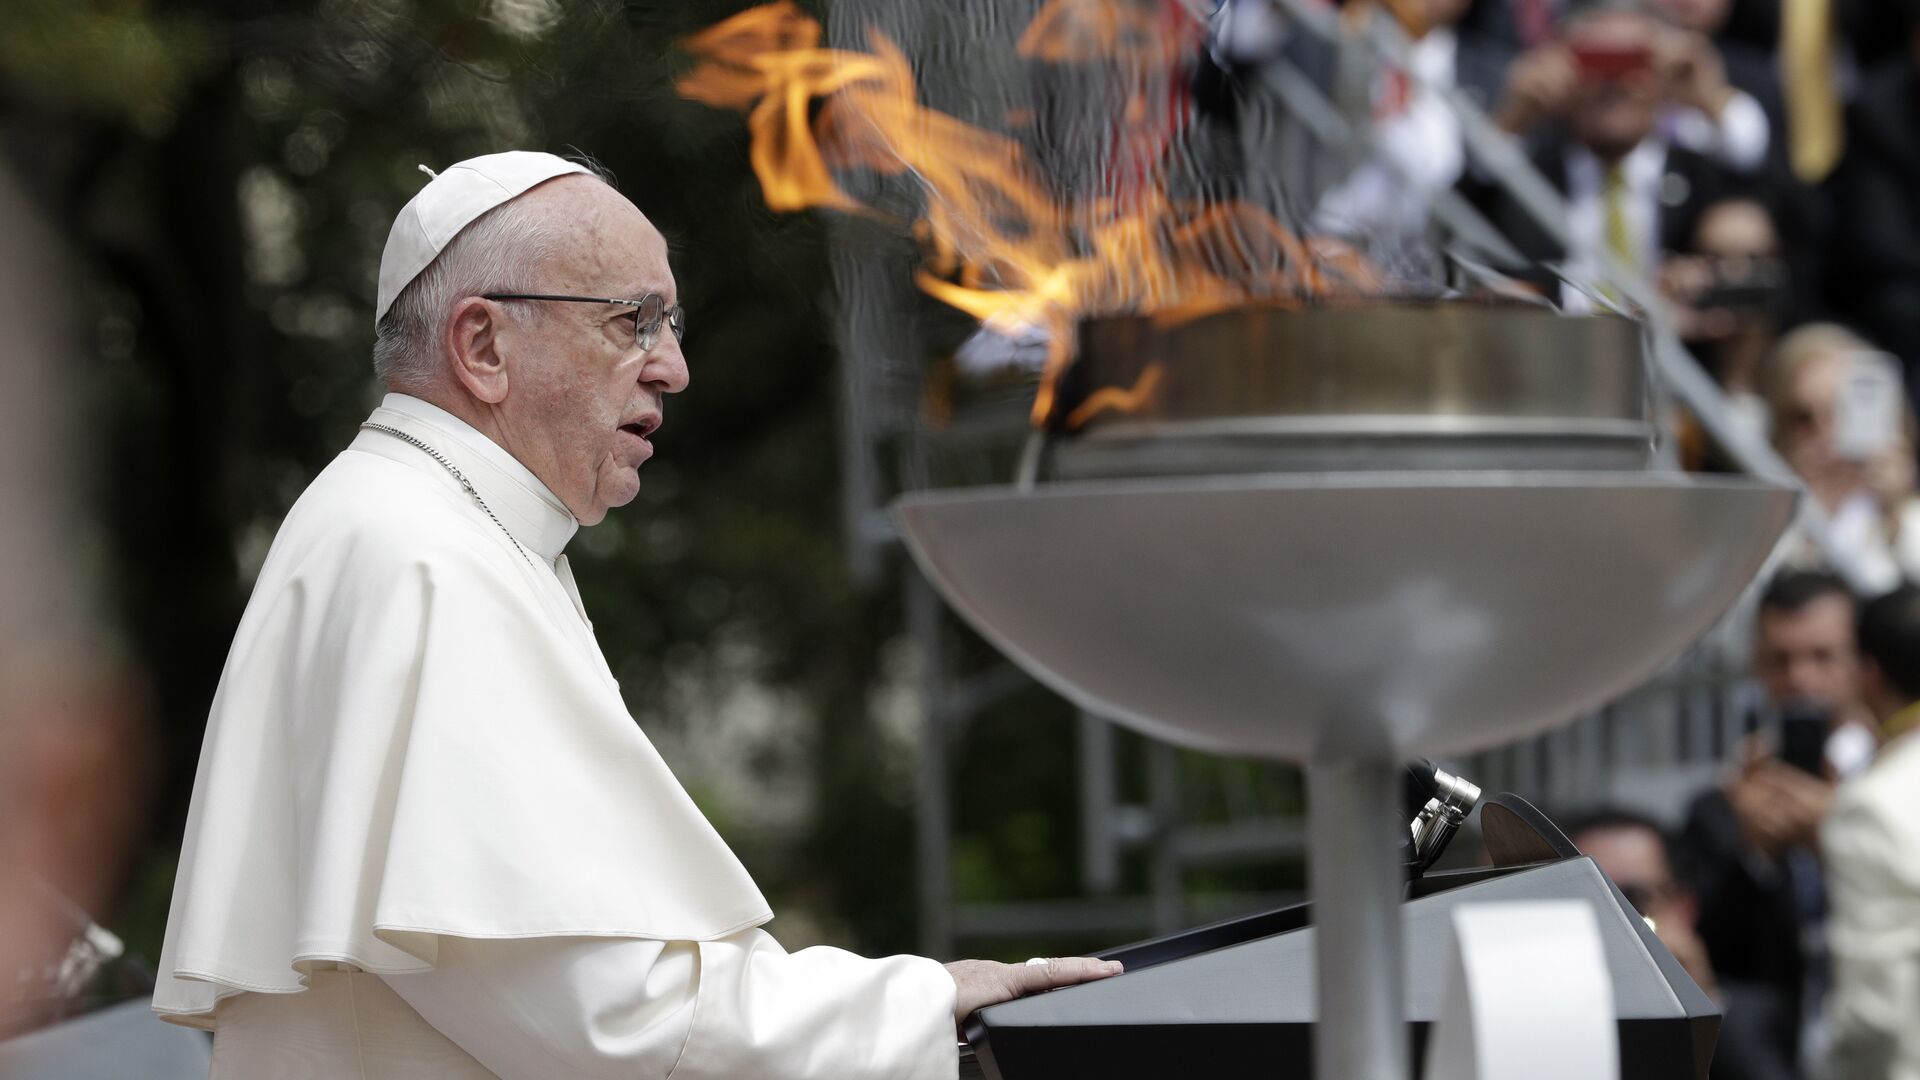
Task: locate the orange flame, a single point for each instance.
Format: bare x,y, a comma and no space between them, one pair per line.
999,245
1112,398
766,62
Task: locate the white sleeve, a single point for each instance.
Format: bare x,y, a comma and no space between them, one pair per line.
818,1014
1737,140
633,1008
1873,881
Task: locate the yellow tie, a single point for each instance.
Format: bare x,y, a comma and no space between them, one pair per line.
1619,230
1815,135
1900,723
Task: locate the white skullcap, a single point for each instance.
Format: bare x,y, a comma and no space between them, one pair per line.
450,202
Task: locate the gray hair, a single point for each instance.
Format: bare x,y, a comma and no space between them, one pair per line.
490,255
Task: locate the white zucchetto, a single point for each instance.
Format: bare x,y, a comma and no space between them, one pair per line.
451,201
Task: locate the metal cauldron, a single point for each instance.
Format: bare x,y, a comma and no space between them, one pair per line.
1385,386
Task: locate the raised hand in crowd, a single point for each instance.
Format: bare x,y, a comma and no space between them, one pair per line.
1539,84
1691,70
1779,806
1887,474
1542,80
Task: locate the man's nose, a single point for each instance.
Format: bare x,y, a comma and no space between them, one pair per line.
666,365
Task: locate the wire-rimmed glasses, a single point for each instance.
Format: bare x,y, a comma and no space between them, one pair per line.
648,313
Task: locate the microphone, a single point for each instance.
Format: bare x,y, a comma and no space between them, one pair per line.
1444,801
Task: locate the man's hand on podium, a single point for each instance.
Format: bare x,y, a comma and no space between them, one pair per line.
980,983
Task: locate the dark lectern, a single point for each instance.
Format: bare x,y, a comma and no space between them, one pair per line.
1236,999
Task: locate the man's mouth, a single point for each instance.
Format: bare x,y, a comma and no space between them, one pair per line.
640,429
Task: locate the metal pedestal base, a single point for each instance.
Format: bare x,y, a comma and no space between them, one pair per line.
1355,883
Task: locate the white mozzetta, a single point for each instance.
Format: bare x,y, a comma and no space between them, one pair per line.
417,738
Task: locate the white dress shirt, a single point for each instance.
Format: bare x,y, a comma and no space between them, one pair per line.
1644,171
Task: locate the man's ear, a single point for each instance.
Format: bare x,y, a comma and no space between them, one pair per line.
473,341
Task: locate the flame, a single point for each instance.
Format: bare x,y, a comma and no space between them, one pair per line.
1112,398
999,244
766,62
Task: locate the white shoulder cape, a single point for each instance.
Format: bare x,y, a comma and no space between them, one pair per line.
410,740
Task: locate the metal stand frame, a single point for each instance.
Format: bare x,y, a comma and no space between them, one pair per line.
1355,880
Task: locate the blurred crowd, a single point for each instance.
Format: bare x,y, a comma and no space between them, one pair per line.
1754,161
1757,163
1791,892
1760,163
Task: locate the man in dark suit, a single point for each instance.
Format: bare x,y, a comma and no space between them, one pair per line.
1746,851
1636,854
1591,104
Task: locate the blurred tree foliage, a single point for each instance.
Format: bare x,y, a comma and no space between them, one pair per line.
226,171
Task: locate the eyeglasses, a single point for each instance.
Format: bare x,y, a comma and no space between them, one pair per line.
1645,896
648,313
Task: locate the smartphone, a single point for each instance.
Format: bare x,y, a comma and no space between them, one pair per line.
1745,285
1804,726
1601,61
1868,412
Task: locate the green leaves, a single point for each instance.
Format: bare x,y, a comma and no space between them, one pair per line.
118,58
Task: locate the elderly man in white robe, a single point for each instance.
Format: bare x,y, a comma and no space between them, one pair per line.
426,838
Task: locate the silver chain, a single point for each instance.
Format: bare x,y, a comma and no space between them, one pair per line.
465,484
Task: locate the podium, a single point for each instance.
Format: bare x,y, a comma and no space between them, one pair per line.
1237,998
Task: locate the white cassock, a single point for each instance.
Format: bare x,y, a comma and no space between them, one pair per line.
427,839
